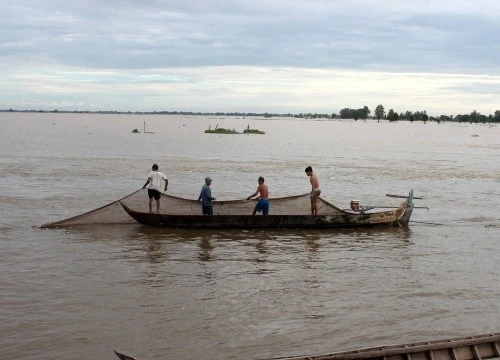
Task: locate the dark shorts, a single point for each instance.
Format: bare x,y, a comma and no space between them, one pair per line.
262,205
208,210
152,193
315,194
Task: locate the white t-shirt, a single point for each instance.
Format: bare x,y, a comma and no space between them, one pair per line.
156,178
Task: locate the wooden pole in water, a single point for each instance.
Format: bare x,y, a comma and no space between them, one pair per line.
403,196
144,127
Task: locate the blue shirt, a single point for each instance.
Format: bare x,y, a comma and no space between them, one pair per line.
206,195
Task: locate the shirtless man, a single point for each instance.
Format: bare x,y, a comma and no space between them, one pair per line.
315,191
263,203
154,180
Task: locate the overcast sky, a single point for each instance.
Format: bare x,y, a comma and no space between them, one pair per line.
251,56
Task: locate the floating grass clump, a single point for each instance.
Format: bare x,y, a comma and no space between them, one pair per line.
252,131
219,130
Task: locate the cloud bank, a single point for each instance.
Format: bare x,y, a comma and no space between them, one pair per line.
280,56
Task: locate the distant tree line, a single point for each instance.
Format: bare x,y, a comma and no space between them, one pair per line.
219,113
355,114
346,113
391,115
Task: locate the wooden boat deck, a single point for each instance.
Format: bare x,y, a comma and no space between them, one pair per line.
480,347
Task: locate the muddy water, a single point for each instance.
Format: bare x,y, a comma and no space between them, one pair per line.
165,294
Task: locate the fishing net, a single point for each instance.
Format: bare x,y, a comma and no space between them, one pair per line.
113,212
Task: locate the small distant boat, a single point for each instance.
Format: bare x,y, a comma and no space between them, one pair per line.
479,347
287,212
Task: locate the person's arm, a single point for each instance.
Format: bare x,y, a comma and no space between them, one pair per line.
201,193
164,178
254,194
147,182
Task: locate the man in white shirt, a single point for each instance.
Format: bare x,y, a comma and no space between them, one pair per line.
154,180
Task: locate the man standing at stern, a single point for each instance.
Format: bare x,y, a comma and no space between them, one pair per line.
315,191
154,181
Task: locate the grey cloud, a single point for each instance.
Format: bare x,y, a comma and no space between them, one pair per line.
139,35
476,87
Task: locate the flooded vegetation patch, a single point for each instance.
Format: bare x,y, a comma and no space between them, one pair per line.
252,131
218,130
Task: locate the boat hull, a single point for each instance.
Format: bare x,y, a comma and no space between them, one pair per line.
479,347
397,217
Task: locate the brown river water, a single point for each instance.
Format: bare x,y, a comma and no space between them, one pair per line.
81,292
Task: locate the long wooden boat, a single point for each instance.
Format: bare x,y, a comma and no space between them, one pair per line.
479,347
227,214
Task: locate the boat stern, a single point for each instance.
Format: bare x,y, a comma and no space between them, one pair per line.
407,207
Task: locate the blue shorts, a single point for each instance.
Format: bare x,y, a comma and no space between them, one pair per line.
262,205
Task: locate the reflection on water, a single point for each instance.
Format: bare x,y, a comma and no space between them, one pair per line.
262,240
261,246
313,244
206,249
155,251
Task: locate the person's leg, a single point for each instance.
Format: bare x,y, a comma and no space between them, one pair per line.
254,210
151,196
158,206
265,209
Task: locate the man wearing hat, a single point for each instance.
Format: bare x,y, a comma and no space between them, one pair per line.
206,197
